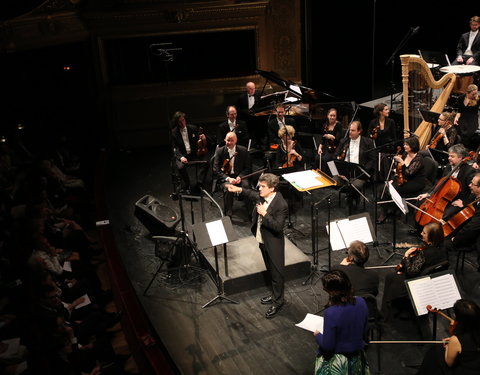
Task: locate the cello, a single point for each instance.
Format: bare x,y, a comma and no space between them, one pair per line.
444,192
452,224
453,323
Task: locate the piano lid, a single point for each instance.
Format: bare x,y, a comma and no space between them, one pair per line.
304,94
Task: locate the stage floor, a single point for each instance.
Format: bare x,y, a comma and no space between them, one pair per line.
227,338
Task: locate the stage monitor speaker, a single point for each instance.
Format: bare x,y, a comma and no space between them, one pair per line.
158,218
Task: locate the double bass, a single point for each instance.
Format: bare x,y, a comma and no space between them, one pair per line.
444,192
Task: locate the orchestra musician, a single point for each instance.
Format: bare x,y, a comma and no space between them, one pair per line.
468,46
332,133
277,123
469,233
231,124
463,174
363,281
355,149
184,140
467,117
230,163
445,134
268,220
459,354
289,153
382,128
415,261
246,104
410,178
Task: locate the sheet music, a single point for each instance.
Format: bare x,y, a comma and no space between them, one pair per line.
311,323
397,198
447,291
440,292
216,232
303,179
333,168
346,231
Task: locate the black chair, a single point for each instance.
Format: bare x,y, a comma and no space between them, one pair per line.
430,167
442,266
461,251
374,326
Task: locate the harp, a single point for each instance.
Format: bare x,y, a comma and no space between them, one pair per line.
414,65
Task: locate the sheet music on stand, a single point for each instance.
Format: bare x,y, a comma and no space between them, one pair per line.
308,180
354,228
440,290
397,198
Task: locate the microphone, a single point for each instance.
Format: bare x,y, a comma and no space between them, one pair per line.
415,30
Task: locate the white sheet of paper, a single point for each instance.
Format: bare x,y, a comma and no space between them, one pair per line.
333,168
423,294
346,231
85,302
303,179
312,323
447,291
216,232
67,266
397,198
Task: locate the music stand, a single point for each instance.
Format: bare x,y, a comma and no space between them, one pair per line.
429,116
212,234
441,157
434,59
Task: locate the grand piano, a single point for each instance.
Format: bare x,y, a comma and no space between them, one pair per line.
308,106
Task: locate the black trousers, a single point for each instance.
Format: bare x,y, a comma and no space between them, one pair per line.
277,277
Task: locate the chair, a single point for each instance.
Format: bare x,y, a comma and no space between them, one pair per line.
430,167
461,251
442,266
374,317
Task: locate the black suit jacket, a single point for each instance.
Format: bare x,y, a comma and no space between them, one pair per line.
242,104
273,128
241,131
363,281
177,142
366,156
463,44
465,176
242,163
272,226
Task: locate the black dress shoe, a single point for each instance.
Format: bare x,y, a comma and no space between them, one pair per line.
272,311
268,300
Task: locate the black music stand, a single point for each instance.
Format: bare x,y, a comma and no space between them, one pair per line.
436,59
212,234
429,116
441,157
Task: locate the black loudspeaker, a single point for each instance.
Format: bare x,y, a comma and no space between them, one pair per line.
155,216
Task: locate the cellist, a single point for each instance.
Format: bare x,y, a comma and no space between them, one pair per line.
469,233
463,173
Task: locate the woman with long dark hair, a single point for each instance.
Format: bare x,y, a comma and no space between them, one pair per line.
340,346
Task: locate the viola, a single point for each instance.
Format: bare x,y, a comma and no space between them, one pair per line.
457,220
444,192
453,323
399,171
227,165
374,133
290,158
343,154
201,144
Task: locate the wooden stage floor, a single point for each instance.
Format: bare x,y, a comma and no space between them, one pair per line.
227,338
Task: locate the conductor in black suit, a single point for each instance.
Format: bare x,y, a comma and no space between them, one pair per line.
233,125
468,47
184,139
278,122
268,220
356,149
230,163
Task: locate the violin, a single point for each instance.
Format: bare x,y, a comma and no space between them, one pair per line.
374,133
399,171
453,323
444,192
435,141
227,165
330,143
343,154
401,267
201,144
290,158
